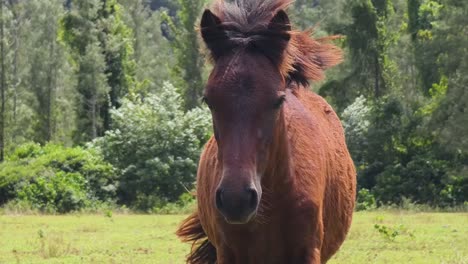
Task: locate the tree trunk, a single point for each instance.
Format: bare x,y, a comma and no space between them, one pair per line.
377,77
3,84
50,93
94,110
16,80
93,117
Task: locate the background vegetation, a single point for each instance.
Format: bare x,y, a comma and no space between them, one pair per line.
100,100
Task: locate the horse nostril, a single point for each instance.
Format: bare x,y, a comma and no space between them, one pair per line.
219,198
252,198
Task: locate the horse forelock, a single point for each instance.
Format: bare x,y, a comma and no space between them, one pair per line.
304,58
248,13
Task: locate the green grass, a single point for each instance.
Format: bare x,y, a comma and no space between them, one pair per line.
90,239
404,237
421,238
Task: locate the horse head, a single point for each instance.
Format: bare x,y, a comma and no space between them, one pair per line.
245,92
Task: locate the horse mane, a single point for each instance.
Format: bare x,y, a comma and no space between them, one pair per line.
248,22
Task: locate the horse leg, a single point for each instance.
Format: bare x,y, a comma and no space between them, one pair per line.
312,255
310,252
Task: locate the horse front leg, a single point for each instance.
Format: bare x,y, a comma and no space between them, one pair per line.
312,255
310,252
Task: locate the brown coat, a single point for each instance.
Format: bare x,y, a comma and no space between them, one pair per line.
307,209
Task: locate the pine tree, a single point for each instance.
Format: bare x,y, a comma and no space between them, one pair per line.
100,44
189,62
2,83
152,52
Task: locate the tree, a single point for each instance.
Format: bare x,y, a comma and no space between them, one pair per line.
15,78
2,83
323,16
99,41
152,54
368,40
114,37
421,14
449,118
37,73
189,66
45,64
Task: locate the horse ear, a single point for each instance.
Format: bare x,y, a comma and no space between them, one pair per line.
280,22
209,20
213,34
275,41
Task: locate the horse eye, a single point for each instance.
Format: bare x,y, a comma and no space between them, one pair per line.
280,102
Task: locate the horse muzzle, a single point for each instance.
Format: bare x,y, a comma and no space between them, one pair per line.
237,207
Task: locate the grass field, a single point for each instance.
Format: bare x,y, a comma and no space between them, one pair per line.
376,237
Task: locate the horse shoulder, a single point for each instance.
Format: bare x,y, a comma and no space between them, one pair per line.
340,177
319,153
307,153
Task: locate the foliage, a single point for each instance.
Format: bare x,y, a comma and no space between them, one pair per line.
99,44
369,36
365,200
387,232
152,54
56,179
186,204
63,192
396,159
356,122
401,93
391,233
155,145
39,80
188,70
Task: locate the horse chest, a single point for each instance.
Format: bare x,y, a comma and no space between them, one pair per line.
280,240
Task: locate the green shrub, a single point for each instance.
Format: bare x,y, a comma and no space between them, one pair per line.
365,200
56,179
184,205
156,146
391,233
28,150
58,192
421,180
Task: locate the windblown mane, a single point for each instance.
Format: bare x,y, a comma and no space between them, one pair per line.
245,22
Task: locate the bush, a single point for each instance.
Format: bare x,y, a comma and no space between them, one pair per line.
61,192
365,200
184,205
56,179
156,146
421,180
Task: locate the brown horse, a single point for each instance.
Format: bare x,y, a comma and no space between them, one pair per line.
276,183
